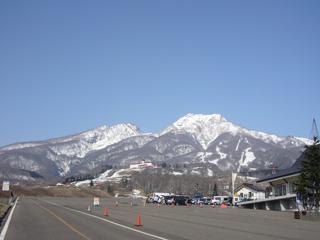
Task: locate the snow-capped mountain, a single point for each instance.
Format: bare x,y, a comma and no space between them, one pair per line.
95,139
65,152
192,139
79,145
206,128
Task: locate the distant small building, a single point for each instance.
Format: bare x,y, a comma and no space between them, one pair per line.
248,191
142,165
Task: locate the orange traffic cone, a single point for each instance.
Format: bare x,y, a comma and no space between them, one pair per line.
106,212
223,205
138,224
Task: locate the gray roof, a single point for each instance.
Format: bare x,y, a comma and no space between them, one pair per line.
251,186
295,168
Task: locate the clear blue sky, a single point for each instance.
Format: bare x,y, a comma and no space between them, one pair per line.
68,66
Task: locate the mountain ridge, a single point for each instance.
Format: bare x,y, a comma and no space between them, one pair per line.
192,139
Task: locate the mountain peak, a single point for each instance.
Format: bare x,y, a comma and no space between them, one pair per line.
103,136
191,117
205,128
117,127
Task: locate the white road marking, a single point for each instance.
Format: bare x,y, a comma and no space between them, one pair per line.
5,228
108,221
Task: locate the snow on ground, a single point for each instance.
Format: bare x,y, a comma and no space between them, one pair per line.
210,172
104,175
82,183
246,157
305,140
215,161
204,155
177,173
249,157
21,145
222,155
118,175
237,147
195,172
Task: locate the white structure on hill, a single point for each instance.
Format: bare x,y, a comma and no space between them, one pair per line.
142,165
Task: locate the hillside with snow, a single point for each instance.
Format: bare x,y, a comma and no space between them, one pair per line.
208,140
206,129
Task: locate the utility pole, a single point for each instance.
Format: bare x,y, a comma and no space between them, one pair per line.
314,133
233,179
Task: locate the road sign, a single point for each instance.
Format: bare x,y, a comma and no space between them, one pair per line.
96,201
5,186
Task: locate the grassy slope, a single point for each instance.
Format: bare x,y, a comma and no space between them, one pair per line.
3,208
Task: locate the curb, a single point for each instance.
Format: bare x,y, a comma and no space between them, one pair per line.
3,218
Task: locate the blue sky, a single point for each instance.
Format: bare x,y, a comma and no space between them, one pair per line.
68,66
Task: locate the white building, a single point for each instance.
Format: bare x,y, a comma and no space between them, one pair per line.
248,191
282,196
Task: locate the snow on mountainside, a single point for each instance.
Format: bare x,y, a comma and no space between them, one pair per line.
21,145
79,145
206,128
95,139
208,140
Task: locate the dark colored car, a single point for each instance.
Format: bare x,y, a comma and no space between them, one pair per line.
180,200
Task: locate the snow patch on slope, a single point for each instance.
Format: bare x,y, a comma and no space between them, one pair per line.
246,157
203,156
222,155
237,147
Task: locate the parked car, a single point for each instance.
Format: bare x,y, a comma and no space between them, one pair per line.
198,201
157,199
207,201
168,200
180,200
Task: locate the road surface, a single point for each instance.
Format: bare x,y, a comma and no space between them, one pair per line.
69,218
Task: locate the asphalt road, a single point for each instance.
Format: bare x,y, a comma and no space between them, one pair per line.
69,218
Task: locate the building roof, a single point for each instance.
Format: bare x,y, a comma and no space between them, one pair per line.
251,186
295,168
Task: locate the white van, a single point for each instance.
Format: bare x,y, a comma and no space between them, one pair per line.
217,200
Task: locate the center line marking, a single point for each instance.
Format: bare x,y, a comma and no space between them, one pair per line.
63,221
108,221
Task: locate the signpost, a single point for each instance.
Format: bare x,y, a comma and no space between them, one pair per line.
5,186
96,201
